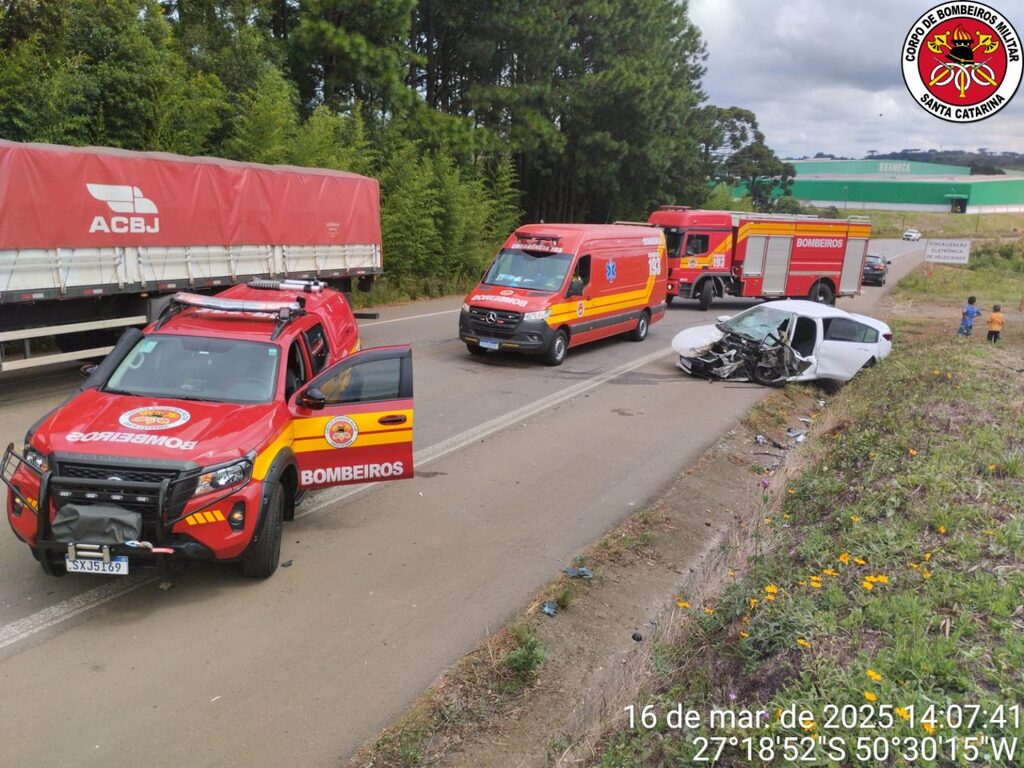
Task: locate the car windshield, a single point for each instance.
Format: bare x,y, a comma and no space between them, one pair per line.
757,323
535,271
874,259
198,368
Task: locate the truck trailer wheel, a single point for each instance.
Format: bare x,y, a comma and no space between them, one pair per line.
643,325
707,295
260,560
557,350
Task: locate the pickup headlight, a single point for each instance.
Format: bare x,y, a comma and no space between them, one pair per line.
465,307
224,477
539,315
36,459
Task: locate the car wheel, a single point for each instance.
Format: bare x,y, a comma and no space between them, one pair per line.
558,349
476,350
643,325
822,292
707,294
768,375
263,555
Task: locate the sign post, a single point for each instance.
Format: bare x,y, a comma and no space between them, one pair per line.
956,252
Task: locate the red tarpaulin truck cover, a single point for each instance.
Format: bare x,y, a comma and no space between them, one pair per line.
64,197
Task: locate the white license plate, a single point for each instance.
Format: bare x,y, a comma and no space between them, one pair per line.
118,566
487,344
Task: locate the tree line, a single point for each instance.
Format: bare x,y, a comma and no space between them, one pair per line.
472,115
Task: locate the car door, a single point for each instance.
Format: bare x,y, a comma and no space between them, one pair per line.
353,423
845,348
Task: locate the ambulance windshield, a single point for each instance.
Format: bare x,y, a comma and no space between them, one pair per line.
530,270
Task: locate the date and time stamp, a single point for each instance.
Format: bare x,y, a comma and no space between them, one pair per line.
868,734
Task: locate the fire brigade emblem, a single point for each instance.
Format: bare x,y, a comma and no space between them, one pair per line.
962,61
154,418
580,308
341,432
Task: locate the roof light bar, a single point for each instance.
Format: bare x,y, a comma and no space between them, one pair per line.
305,286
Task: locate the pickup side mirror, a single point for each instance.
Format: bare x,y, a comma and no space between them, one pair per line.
575,289
313,399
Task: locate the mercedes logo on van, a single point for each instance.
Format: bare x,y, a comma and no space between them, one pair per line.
115,479
492,318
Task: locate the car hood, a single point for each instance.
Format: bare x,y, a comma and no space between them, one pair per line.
103,424
509,299
696,340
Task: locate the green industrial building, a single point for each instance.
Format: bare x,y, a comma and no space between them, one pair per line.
904,185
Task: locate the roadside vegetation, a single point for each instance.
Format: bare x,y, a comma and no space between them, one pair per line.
995,275
890,569
973,225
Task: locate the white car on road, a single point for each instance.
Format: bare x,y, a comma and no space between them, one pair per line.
780,341
912,234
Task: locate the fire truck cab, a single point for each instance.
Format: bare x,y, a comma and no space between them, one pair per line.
721,253
195,438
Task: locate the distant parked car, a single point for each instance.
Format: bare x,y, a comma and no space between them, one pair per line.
876,269
912,234
780,341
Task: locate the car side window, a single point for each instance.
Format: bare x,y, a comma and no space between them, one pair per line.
844,329
364,382
319,352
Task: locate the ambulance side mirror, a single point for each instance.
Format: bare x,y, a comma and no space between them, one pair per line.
575,289
313,399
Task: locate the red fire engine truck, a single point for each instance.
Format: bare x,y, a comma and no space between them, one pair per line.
758,255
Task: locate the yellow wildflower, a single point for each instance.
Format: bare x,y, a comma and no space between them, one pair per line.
913,452
767,521
746,619
936,372
790,491
873,675
680,603
868,585
903,712
771,589
709,611
929,728
753,602
927,555
942,530
744,634
769,598
830,572
870,696
732,574
926,573
844,558
854,519
802,643
860,561
991,467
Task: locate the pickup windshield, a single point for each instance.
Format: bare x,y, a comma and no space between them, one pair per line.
198,368
534,271
757,323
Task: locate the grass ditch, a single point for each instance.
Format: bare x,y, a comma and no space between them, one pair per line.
888,578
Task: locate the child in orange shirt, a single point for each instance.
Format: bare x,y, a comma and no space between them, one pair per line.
995,323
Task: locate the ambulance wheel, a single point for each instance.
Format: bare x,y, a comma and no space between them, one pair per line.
822,292
476,350
707,295
263,555
557,350
643,325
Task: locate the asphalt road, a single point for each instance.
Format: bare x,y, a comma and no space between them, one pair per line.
519,467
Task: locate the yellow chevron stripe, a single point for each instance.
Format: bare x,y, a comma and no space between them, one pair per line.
365,422
395,437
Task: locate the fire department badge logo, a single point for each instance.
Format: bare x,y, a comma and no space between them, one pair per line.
154,418
580,308
962,61
341,432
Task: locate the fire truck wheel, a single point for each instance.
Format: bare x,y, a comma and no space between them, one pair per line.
822,292
260,560
707,294
643,325
558,349
669,299
475,350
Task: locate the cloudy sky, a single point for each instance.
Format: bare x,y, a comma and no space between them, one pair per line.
824,76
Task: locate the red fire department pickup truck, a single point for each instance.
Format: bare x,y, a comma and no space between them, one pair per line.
761,255
194,438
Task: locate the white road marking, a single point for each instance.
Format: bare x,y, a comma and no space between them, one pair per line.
479,432
66,609
93,598
411,317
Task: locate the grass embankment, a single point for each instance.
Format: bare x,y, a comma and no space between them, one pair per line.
895,223
995,275
891,578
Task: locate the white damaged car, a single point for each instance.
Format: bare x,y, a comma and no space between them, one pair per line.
782,341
